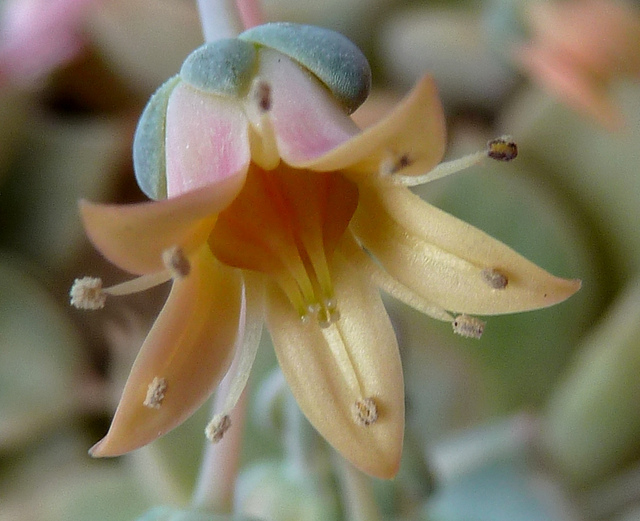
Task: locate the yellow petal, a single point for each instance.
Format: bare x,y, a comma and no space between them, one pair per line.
134,236
330,369
413,135
448,261
369,268
188,349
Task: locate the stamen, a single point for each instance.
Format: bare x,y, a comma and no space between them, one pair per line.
217,427
264,149
442,170
394,163
176,262
87,293
494,278
365,411
155,393
502,149
261,93
139,284
468,326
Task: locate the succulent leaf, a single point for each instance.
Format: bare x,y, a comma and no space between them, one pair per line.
334,59
223,67
149,160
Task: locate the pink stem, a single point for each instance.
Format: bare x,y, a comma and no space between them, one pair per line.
251,13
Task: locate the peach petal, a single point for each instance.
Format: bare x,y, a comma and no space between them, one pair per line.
189,347
207,140
134,236
411,138
565,80
329,369
445,260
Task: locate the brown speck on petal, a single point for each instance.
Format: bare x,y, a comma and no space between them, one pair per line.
494,278
502,149
394,163
155,393
176,262
217,427
365,411
467,326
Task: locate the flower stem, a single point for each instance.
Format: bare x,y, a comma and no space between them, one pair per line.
358,496
220,19
227,18
299,436
216,483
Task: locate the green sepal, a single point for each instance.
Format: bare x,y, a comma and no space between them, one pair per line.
149,160
333,58
223,67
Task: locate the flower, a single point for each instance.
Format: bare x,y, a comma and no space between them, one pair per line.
277,208
577,47
38,35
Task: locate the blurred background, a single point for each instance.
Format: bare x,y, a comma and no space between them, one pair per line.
537,420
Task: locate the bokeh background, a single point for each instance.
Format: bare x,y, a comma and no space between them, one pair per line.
537,420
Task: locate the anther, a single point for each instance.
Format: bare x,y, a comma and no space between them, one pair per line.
87,293
393,164
365,411
467,326
261,92
155,393
217,427
502,149
494,278
176,262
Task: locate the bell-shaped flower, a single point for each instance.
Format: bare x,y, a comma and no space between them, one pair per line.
272,206
577,47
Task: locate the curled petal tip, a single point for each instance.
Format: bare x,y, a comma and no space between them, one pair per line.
97,451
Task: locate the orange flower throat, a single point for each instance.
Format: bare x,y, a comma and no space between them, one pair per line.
287,223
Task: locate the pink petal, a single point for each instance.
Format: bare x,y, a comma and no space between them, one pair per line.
134,236
307,121
38,35
207,140
329,369
415,130
565,80
190,347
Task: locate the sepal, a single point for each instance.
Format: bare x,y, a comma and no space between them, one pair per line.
223,67
334,59
149,161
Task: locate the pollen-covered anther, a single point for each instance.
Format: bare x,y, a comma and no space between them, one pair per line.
502,149
393,163
468,326
155,393
176,262
217,427
261,94
494,278
87,293
365,411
